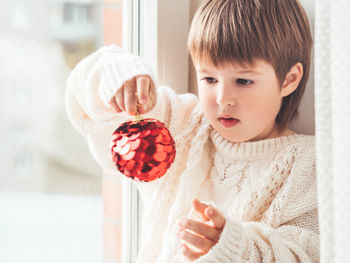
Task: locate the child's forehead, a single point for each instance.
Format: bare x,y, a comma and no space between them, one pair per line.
243,66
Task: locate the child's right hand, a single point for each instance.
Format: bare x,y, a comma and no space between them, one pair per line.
137,95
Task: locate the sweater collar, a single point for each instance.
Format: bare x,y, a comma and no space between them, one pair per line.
256,148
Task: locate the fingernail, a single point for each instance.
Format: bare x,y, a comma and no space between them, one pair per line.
178,232
181,222
210,212
143,101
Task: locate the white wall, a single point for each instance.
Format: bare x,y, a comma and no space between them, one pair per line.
306,122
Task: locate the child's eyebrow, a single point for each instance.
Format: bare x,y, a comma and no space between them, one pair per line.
247,71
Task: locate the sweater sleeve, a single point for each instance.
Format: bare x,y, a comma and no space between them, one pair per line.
92,84
288,234
258,242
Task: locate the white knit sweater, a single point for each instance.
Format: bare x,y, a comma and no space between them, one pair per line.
267,189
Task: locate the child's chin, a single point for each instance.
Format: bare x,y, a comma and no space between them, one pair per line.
231,136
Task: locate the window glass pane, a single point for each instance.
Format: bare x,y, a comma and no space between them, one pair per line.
112,184
50,187
113,23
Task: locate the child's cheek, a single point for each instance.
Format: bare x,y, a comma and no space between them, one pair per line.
251,109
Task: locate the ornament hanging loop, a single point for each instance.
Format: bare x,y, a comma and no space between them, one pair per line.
138,117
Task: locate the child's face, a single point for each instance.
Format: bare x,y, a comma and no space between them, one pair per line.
250,94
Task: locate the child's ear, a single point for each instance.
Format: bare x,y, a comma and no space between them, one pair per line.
292,79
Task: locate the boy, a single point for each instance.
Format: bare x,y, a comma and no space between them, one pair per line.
234,150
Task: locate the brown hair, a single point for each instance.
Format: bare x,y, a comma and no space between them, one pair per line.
242,31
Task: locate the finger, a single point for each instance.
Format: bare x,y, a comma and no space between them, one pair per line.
129,96
215,216
190,254
200,208
151,100
143,87
203,229
115,105
143,83
119,98
195,240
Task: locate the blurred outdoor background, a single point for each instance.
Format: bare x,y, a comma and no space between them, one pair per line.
50,187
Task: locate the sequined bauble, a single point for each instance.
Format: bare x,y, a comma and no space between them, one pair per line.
143,150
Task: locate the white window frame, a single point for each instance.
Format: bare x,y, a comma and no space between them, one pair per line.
130,195
156,30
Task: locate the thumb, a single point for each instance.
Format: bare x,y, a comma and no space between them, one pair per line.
215,216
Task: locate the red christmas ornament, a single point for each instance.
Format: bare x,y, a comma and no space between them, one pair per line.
143,149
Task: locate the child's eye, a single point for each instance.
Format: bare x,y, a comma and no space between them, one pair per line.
209,80
244,82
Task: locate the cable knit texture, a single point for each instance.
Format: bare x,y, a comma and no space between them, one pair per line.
266,189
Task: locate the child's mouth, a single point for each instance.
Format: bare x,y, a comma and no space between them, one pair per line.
228,122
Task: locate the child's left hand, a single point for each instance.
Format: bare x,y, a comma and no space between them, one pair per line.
207,234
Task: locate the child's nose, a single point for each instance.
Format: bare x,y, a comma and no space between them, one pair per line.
225,96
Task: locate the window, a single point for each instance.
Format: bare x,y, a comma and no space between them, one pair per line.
50,187
154,32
